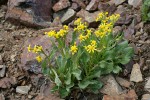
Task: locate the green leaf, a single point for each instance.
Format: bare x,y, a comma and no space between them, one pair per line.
68,78
45,70
108,69
96,86
77,73
117,69
83,84
54,89
103,64
69,86
57,80
63,92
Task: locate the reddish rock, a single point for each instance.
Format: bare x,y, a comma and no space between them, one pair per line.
32,13
92,6
89,17
111,86
103,6
45,93
123,82
62,4
131,95
80,3
75,6
28,56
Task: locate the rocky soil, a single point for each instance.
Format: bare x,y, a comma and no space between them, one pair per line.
23,22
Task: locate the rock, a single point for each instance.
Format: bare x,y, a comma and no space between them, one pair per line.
136,50
45,93
125,19
147,85
80,3
131,95
2,97
1,60
60,5
136,75
29,58
68,16
12,57
120,9
59,14
93,5
148,63
103,6
135,3
89,17
75,7
35,13
23,89
146,97
123,82
7,82
117,2
128,33
117,29
2,70
111,87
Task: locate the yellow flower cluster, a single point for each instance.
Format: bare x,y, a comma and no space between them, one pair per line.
106,25
80,26
101,16
103,29
58,34
74,49
92,47
113,18
84,37
36,49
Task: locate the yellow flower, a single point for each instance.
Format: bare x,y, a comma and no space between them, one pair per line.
74,49
100,34
62,32
78,21
37,49
101,16
81,27
92,47
39,58
81,37
29,48
56,35
51,33
93,42
66,27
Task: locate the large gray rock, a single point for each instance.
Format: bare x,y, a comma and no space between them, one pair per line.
134,3
111,87
35,13
68,16
136,75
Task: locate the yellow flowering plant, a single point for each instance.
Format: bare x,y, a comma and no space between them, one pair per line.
90,54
